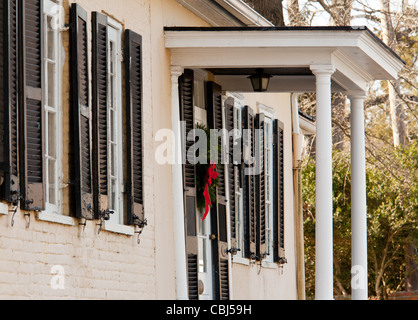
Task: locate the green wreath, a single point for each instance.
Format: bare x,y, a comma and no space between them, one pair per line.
201,171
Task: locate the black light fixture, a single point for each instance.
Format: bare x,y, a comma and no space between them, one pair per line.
260,80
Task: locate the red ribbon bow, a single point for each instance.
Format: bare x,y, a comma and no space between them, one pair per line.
210,174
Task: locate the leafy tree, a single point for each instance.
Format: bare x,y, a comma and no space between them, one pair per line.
392,212
391,150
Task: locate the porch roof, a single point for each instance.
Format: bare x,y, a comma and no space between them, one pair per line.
287,53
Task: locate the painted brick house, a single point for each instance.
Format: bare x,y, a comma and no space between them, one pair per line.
88,211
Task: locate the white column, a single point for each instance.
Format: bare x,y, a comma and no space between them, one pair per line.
359,280
324,213
178,204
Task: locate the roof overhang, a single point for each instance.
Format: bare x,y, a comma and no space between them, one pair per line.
244,13
225,12
357,55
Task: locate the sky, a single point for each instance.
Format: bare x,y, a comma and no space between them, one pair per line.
322,17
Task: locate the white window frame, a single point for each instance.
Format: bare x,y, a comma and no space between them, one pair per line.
238,191
114,31
54,10
268,151
270,115
239,256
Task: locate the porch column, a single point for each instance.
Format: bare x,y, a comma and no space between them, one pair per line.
359,282
324,214
178,204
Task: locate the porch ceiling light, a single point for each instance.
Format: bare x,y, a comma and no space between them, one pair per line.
260,80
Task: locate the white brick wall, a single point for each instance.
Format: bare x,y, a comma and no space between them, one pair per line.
97,266
111,265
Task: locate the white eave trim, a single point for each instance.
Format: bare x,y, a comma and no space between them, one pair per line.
374,49
259,38
244,13
374,61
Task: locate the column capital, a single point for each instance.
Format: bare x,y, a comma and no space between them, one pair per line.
176,71
322,69
356,95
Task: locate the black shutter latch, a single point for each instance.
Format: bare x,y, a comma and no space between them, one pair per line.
15,197
67,27
233,251
141,224
104,216
262,256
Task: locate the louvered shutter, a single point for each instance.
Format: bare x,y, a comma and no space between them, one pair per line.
278,192
31,120
81,113
133,84
8,101
100,106
248,120
260,184
218,211
231,168
186,87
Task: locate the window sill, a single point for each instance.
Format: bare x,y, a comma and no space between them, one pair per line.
241,260
118,228
70,221
269,265
4,208
56,218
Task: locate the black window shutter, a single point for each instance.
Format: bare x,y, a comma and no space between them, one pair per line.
248,122
133,83
186,90
9,102
233,205
278,192
260,184
81,113
100,108
218,211
31,129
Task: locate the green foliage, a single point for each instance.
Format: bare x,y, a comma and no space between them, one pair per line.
201,170
392,209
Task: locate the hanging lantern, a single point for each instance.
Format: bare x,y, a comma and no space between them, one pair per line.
260,81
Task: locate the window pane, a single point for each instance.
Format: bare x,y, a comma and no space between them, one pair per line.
268,189
203,256
113,160
113,203
52,135
112,57
113,125
50,38
51,85
111,92
51,181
